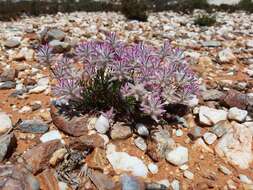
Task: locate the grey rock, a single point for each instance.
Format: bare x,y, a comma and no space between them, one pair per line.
178,156
220,128
11,43
5,123
59,47
7,85
195,133
212,95
7,144
142,129
130,183
140,143
237,114
120,131
8,75
155,186
55,34
249,44
211,43
33,126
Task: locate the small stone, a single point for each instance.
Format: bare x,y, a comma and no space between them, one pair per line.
209,138
220,128
226,56
57,156
211,44
7,85
12,43
51,135
200,144
231,184
164,182
175,185
188,175
131,183
142,129
8,74
195,133
249,44
25,109
121,161
156,186
120,131
224,170
237,114
235,98
59,47
102,124
178,156
210,116
97,159
140,143
153,168
245,179
7,144
48,180
5,123
179,133
55,34
184,167
33,126
212,95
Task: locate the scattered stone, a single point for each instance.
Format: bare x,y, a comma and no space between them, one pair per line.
175,185
55,34
195,133
220,128
8,74
224,170
7,85
209,138
140,143
200,144
226,56
12,43
131,183
156,186
178,156
237,114
59,47
51,135
245,179
15,177
212,95
249,44
235,98
5,123
37,158
33,126
25,109
235,146
211,43
121,161
120,131
41,86
164,182
142,130
179,133
102,124
188,175
210,116
7,145
153,168
231,184
57,156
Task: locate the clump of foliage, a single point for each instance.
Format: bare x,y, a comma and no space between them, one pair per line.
205,20
129,80
135,9
246,5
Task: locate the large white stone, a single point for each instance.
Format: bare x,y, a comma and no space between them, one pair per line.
226,56
237,114
235,146
5,123
178,156
211,116
51,135
123,162
226,2
102,124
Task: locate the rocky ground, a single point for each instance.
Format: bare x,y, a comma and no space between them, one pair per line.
208,148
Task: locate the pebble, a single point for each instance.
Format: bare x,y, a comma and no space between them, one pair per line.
102,124
120,131
179,133
237,114
153,168
188,175
7,85
164,182
142,129
195,133
131,183
245,179
55,34
25,109
224,170
226,56
5,123
51,135
12,43
209,138
140,143
220,128
175,185
210,116
33,126
178,156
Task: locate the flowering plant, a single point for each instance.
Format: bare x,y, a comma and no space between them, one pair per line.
133,79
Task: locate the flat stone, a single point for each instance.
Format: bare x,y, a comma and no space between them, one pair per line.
15,177
51,135
8,74
237,114
140,143
249,44
209,138
188,175
122,161
235,98
224,170
37,158
55,34
120,131
12,43
131,183
97,159
245,179
212,95
153,168
59,47
220,128
7,145
48,180
210,116
33,126
175,185
235,146
211,43
5,123
178,156
7,85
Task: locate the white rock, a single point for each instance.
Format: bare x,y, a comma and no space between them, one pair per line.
237,114
210,116
5,123
51,135
225,170
25,109
121,161
245,179
102,124
235,146
175,185
209,138
225,2
178,156
142,129
153,168
179,133
201,145
42,85
188,175
249,44
226,56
